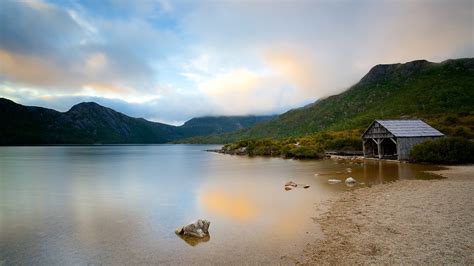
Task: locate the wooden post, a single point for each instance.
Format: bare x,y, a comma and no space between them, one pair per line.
363,147
379,148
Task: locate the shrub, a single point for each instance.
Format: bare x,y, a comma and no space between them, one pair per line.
305,152
344,144
462,131
451,150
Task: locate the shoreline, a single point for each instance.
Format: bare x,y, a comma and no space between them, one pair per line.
404,222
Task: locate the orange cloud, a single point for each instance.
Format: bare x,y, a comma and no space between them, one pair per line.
105,88
233,81
96,62
48,76
240,91
297,70
303,70
28,69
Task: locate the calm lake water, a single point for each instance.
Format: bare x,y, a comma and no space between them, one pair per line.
121,204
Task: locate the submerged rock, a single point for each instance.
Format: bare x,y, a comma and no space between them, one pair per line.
199,228
350,180
306,186
193,241
288,188
291,183
351,184
334,181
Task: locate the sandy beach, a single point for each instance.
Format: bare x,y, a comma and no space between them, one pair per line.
404,222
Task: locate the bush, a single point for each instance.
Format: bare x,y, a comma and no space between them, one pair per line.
463,132
451,150
305,152
283,148
344,144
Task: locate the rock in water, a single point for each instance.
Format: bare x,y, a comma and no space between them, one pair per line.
199,228
306,186
291,183
288,188
350,180
334,181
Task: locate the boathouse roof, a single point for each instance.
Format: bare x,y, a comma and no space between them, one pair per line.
408,128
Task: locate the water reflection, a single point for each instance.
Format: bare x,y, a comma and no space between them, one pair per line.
372,172
231,204
121,204
194,241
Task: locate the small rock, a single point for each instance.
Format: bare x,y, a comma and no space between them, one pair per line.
334,181
350,180
288,188
306,186
291,183
199,228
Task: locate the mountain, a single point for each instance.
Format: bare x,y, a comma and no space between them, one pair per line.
91,123
220,124
418,89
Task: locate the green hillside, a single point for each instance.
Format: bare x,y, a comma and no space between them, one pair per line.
437,92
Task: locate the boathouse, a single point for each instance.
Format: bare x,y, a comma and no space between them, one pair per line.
394,139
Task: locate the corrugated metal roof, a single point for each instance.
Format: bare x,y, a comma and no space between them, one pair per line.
409,128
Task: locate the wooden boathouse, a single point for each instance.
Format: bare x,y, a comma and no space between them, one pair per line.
394,139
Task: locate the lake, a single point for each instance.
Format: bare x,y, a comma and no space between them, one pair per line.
121,204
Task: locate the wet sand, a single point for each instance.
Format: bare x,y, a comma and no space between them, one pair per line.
404,222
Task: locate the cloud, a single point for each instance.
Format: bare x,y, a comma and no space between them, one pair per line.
240,91
96,62
29,69
435,31
170,61
337,42
66,50
35,27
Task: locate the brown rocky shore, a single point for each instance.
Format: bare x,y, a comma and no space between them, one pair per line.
405,222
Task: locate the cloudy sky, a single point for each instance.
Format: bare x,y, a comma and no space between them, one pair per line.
169,61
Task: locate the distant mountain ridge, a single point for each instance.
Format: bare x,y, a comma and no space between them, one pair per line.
220,124
417,89
91,123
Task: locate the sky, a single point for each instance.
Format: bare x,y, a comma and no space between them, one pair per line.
169,61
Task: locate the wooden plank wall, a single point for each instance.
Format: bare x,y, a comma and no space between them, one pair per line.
377,131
